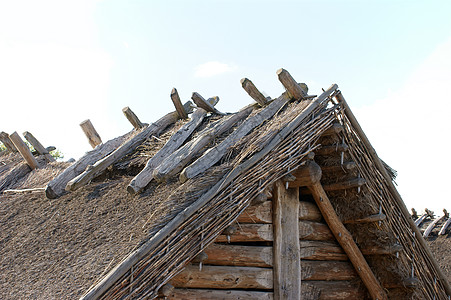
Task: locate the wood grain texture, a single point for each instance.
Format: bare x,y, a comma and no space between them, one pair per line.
252,91
24,150
238,255
4,138
295,90
208,294
38,146
202,103
178,104
306,175
91,133
132,118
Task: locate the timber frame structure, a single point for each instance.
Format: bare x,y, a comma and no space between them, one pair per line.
285,199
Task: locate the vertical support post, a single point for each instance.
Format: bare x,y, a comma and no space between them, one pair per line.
38,146
91,133
132,118
4,138
24,150
287,257
178,104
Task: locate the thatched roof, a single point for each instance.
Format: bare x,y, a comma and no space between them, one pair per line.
63,248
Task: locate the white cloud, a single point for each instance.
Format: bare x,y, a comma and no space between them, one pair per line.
212,68
409,130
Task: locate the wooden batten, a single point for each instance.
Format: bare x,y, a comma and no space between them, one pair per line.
4,138
24,150
255,94
132,118
91,133
178,104
292,87
38,146
204,104
306,175
286,258
329,150
208,294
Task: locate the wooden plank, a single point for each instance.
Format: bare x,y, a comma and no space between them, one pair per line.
320,250
295,90
213,155
202,103
306,175
332,290
206,294
24,150
180,158
327,270
4,138
237,255
38,146
178,104
132,118
129,146
255,94
346,241
91,133
287,266
224,277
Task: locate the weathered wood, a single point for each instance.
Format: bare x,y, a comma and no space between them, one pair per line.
370,219
24,150
335,129
132,118
255,94
327,270
427,213
332,290
249,233
213,155
306,175
23,191
129,146
14,175
432,225
119,270
200,258
353,183
314,231
286,258
56,187
224,277
236,255
329,150
141,180
4,138
411,282
180,158
346,241
166,290
38,146
178,104
345,167
444,227
382,250
91,133
400,203
205,294
202,103
295,90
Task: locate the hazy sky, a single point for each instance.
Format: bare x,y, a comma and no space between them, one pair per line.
62,62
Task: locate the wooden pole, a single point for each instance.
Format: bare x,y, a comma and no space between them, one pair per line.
38,146
295,90
346,241
91,133
202,103
24,150
132,118
287,251
4,138
178,104
250,88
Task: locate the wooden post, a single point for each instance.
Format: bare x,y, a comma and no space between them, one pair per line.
295,90
306,175
38,146
4,138
250,88
91,133
24,150
178,104
202,103
130,115
287,250
346,241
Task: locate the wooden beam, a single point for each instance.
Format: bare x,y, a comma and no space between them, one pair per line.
202,103
327,270
314,231
444,227
335,129
213,155
329,150
181,157
166,290
237,255
200,258
129,146
332,290
345,167
4,138
91,133
349,184
432,225
427,213
14,175
38,146
208,294
346,241
23,191
306,175
287,260
24,150
255,94
384,250
178,104
132,118
370,219
224,277
295,90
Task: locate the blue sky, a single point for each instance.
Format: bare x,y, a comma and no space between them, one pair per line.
62,62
